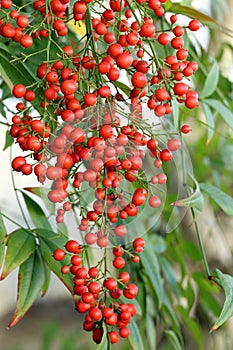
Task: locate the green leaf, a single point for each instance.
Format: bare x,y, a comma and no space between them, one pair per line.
123,87
221,198
211,81
206,290
62,229
2,110
225,113
195,200
189,294
150,331
135,338
47,278
189,248
152,271
175,113
30,282
37,215
167,310
169,274
173,339
226,282
168,5
192,326
191,12
42,192
3,234
49,241
14,72
9,140
20,245
210,122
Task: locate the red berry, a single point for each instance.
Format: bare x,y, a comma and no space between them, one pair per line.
59,254
17,163
154,201
97,335
73,246
124,277
194,25
163,38
19,90
130,291
191,102
139,80
118,262
65,269
120,230
95,313
113,337
185,129
124,332
110,283
173,144
26,169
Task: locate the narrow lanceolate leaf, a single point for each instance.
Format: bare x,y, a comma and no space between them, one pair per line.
211,82
123,87
225,112
48,242
173,339
37,215
191,12
17,72
9,140
47,278
150,331
226,282
209,121
195,200
3,234
175,113
20,245
152,271
30,282
2,110
135,338
62,229
221,198
42,192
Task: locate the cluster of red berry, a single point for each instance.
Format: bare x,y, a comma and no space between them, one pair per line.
85,139
99,296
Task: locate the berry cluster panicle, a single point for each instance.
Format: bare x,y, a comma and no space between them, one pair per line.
92,132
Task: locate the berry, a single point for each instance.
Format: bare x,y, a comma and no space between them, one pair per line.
59,254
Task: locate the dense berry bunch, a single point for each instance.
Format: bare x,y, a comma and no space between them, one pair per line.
98,295
92,133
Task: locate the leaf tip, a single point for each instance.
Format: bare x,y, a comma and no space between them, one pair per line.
3,276
213,328
176,203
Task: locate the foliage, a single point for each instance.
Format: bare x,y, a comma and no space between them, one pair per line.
172,284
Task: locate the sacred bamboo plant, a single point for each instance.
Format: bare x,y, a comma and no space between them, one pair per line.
103,91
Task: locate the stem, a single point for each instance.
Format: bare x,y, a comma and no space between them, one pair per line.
14,222
17,196
200,243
